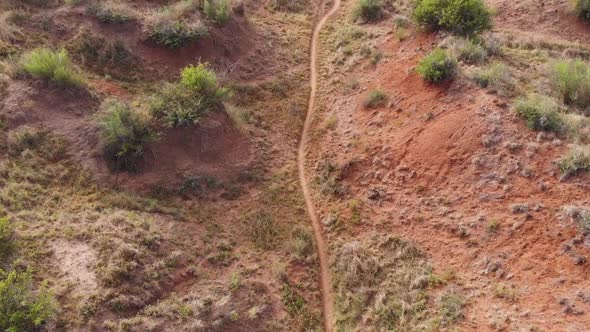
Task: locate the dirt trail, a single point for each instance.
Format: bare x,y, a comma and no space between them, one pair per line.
326,287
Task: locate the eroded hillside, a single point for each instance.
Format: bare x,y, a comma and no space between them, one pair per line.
149,175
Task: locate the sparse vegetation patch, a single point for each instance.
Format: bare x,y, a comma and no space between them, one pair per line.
576,161
540,113
571,79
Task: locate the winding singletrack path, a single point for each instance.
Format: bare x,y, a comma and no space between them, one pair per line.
326,286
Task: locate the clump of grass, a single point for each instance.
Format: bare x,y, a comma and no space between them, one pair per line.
577,160
464,17
107,12
263,230
175,34
23,308
52,65
126,135
184,103
288,5
571,79
540,113
375,98
469,51
217,10
301,243
497,78
382,280
451,308
506,292
582,9
580,215
437,67
368,10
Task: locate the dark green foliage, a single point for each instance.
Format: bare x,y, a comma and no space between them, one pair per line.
540,113
184,103
175,34
125,135
464,17
368,10
437,67
22,309
582,9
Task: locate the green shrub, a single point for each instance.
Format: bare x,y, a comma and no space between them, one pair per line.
437,67
540,113
184,103
52,65
125,136
108,13
571,79
576,161
375,99
368,10
464,17
22,309
6,242
217,10
582,9
175,34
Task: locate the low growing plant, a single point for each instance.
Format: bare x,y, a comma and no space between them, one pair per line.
217,10
571,79
125,135
576,161
175,34
52,65
540,113
184,103
368,10
437,67
375,99
582,9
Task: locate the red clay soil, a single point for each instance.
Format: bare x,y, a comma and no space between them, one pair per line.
450,161
549,17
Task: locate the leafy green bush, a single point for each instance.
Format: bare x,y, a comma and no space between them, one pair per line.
52,65
217,10
21,309
540,113
464,17
184,103
582,9
125,135
375,99
437,67
571,79
576,161
175,34
368,10
108,13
